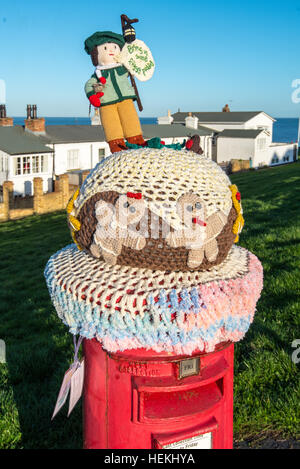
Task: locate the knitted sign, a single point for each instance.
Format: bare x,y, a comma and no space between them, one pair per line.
138,60
158,209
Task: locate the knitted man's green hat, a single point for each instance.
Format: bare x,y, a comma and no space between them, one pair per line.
100,37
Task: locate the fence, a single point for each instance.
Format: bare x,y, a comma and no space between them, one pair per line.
12,207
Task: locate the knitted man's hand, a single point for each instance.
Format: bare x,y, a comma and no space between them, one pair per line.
95,99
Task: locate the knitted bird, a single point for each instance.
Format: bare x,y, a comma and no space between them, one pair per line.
116,226
199,232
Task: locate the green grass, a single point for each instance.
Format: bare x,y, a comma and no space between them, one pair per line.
39,348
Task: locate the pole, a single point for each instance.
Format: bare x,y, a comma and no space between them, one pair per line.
129,36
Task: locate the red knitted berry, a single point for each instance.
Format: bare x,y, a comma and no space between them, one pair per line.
102,80
238,196
189,144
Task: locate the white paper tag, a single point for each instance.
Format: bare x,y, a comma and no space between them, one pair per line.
73,379
64,391
76,386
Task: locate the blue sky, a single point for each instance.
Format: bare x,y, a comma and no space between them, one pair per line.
244,53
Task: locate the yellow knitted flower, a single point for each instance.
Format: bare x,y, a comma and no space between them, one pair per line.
239,222
73,222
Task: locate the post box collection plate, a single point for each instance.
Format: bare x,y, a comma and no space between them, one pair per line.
203,441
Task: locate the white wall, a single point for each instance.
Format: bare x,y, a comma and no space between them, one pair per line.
235,148
261,121
221,127
88,155
281,151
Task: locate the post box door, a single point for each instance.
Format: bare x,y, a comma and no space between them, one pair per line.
198,437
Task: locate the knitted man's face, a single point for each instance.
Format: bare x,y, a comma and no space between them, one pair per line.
107,53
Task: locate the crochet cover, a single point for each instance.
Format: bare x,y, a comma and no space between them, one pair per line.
178,312
154,263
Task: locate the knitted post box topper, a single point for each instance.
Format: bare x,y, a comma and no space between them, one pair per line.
155,265
157,208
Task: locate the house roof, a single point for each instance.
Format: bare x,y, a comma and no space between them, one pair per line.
240,133
95,133
15,141
219,117
173,130
74,133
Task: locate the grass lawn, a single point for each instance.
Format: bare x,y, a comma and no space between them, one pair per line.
39,349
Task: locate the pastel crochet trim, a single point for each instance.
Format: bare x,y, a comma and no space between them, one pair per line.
181,317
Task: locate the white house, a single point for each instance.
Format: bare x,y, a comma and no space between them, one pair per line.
22,158
47,152
241,135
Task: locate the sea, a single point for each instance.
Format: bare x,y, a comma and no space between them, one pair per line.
285,129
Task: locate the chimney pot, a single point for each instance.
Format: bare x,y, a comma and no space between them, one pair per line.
34,111
4,120
28,111
32,123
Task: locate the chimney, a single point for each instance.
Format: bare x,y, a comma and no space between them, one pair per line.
4,120
34,124
167,120
191,121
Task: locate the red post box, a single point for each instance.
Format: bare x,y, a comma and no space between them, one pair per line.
141,399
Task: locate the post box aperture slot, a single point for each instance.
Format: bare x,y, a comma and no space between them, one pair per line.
177,403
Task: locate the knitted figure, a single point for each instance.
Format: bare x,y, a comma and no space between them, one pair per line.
199,232
116,95
116,227
193,144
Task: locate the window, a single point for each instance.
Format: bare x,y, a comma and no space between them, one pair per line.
73,159
261,143
30,164
44,163
26,165
3,163
35,164
17,166
275,160
101,154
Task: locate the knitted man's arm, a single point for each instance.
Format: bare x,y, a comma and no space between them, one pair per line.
91,93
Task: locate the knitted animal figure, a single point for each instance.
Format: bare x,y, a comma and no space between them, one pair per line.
199,232
193,144
116,227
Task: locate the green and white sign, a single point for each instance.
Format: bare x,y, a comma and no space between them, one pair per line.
138,60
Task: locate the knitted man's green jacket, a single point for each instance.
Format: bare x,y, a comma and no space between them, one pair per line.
117,87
